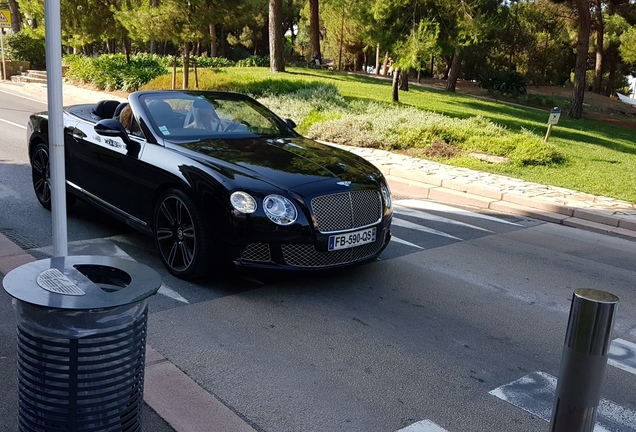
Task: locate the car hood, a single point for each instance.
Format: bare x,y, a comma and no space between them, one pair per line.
285,162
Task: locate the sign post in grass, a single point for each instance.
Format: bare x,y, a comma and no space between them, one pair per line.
552,120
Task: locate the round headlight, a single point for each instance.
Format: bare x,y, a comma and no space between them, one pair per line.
243,202
280,210
386,194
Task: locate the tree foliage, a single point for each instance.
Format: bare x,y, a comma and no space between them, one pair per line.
541,40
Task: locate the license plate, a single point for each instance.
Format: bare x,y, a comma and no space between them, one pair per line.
352,239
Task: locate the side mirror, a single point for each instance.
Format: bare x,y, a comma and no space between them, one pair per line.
114,129
290,123
111,128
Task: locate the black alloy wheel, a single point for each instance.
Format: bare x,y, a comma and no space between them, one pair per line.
41,174
180,235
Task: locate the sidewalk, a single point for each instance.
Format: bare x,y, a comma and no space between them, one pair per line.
187,407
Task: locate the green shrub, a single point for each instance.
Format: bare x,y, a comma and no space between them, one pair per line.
532,150
509,82
213,62
254,61
307,105
111,72
426,134
24,47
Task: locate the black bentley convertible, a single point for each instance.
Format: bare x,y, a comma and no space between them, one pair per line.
217,179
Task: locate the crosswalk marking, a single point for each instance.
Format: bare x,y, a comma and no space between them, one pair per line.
169,292
427,216
410,225
534,393
429,205
622,354
423,426
404,242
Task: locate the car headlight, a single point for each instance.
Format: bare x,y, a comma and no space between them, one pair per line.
280,210
243,202
386,194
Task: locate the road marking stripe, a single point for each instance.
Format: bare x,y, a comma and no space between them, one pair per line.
406,224
404,242
622,354
534,393
169,292
423,426
427,216
13,124
429,205
32,99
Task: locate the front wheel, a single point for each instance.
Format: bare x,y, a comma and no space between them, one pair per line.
41,174
180,235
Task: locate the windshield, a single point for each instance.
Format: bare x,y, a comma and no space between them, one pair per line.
195,116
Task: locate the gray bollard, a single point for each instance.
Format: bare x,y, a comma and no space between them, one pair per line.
583,362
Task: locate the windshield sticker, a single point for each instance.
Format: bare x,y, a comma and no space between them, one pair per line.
164,130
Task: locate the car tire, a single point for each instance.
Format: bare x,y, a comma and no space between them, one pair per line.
180,235
41,177
41,174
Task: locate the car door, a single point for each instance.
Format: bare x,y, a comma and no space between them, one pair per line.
106,171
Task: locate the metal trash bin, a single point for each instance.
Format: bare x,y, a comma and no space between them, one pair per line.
81,324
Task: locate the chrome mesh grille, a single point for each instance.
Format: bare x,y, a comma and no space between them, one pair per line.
306,255
347,210
257,252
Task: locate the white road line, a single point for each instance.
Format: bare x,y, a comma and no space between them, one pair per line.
534,393
13,124
404,242
169,292
622,354
24,97
429,205
406,224
423,426
427,216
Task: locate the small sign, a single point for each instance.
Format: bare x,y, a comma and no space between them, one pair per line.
5,18
554,116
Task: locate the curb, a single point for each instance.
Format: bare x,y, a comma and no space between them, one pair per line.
511,203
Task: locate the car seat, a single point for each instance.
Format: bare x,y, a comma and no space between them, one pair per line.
105,109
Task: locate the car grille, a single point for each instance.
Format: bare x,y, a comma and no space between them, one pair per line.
306,255
347,210
257,252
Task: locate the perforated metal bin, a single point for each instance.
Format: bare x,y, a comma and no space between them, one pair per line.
81,324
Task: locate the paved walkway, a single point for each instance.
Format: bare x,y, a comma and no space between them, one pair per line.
505,194
194,409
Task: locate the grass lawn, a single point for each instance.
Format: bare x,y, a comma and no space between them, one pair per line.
600,156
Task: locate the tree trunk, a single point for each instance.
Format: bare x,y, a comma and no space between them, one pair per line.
276,55
611,57
582,45
404,80
386,64
341,39
394,88
153,43
377,59
16,16
186,64
453,73
314,30
448,61
125,43
600,28
214,42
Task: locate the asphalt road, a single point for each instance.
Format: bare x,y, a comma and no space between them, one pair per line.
462,303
